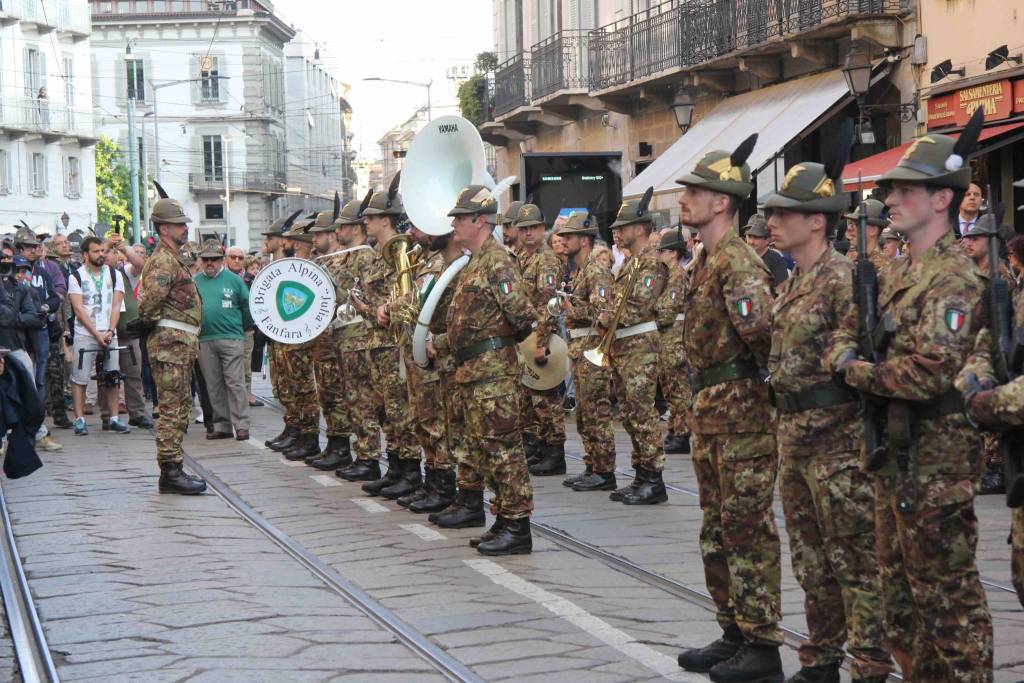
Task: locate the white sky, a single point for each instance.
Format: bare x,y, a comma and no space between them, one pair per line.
412,40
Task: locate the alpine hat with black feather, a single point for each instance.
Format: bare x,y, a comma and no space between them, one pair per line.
724,172
167,210
578,223
386,203
938,160
325,219
349,214
635,211
810,187
281,225
508,216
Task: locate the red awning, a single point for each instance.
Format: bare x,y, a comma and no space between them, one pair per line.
871,169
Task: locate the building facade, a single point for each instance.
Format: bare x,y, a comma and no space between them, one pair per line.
208,82
47,130
393,146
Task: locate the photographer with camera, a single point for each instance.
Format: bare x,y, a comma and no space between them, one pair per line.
18,313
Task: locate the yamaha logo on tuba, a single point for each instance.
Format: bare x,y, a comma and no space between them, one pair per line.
448,128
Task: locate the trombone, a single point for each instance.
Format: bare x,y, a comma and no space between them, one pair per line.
599,354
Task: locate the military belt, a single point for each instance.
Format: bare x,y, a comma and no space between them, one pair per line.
825,397
474,350
580,332
177,325
727,372
950,403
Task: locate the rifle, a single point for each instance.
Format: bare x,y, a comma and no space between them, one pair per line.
1007,353
874,336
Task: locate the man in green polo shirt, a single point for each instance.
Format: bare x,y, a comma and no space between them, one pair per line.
222,342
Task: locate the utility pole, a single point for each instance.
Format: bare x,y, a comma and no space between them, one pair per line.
133,162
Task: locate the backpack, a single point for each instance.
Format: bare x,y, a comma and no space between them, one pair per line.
131,304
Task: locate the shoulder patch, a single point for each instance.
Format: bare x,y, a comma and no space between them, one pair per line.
955,319
744,306
549,280
649,281
505,286
601,292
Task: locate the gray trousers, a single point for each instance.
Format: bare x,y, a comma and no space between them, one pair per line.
223,364
134,397
250,342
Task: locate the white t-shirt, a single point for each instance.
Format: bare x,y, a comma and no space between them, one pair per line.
97,296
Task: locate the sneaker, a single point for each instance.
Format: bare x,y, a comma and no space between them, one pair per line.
117,427
48,444
80,428
199,418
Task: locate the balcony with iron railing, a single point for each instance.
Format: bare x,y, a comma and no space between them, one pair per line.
687,34
74,20
212,180
511,85
560,64
41,13
30,116
117,9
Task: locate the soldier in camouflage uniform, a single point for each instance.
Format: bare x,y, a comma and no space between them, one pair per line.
727,334
488,315
382,217
331,386
672,369
828,500
937,617
543,416
511,236
168,299
877,222
591,289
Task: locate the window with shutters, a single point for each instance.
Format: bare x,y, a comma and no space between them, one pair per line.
209,75
135,73
213,158
6,182
72,178
37,178
543,19
35,77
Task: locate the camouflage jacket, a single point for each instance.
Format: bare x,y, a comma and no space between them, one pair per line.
167,291
591,288
641,298
935,302
543,273
344,269
668,308
427,271
489,301
445,361
377,280
809,309
727,308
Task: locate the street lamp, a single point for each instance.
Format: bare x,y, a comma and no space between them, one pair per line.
683,106
430,113
857,71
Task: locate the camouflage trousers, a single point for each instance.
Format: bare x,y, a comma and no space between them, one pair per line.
594,412
331,389
543,416
468,468
1017,551
427,402
296,388
56,379
935,605
494,436
394,415
675,387
830,518
363,407
636,380
174,387
739,541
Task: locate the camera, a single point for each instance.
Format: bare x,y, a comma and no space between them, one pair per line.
6,268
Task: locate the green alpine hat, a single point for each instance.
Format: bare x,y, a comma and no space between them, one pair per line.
723,171
635,211
26,238
810,187
212,249
476,199
672,241
889,235
757,226
298,228
578,224
386,203
325,219
168,211
875,212
528,215
509,215
938,160
349,215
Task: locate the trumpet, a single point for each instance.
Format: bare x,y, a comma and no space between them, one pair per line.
554,305
599,354
347,313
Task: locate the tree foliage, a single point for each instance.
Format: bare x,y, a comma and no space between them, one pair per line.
474,99
113,183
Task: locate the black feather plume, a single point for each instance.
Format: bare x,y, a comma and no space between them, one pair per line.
968,139
291,219
25,224
841,154
645,202
337,206
160,191
743,152
393,189
366,202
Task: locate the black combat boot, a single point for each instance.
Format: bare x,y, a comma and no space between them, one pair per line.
392,476
337,454
466,511
305,446
174,480
360,470
677,443
552,460
828,673
650,491
752,664
512,538
569,481
702,659
489,534
409,481
440,496
992,481
596,481
284,440
619,493
531,448
61,420
421,492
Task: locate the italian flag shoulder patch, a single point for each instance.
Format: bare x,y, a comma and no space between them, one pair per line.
505,286
955,319
744,306
648,281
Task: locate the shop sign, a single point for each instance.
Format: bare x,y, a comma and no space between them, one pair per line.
998,98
